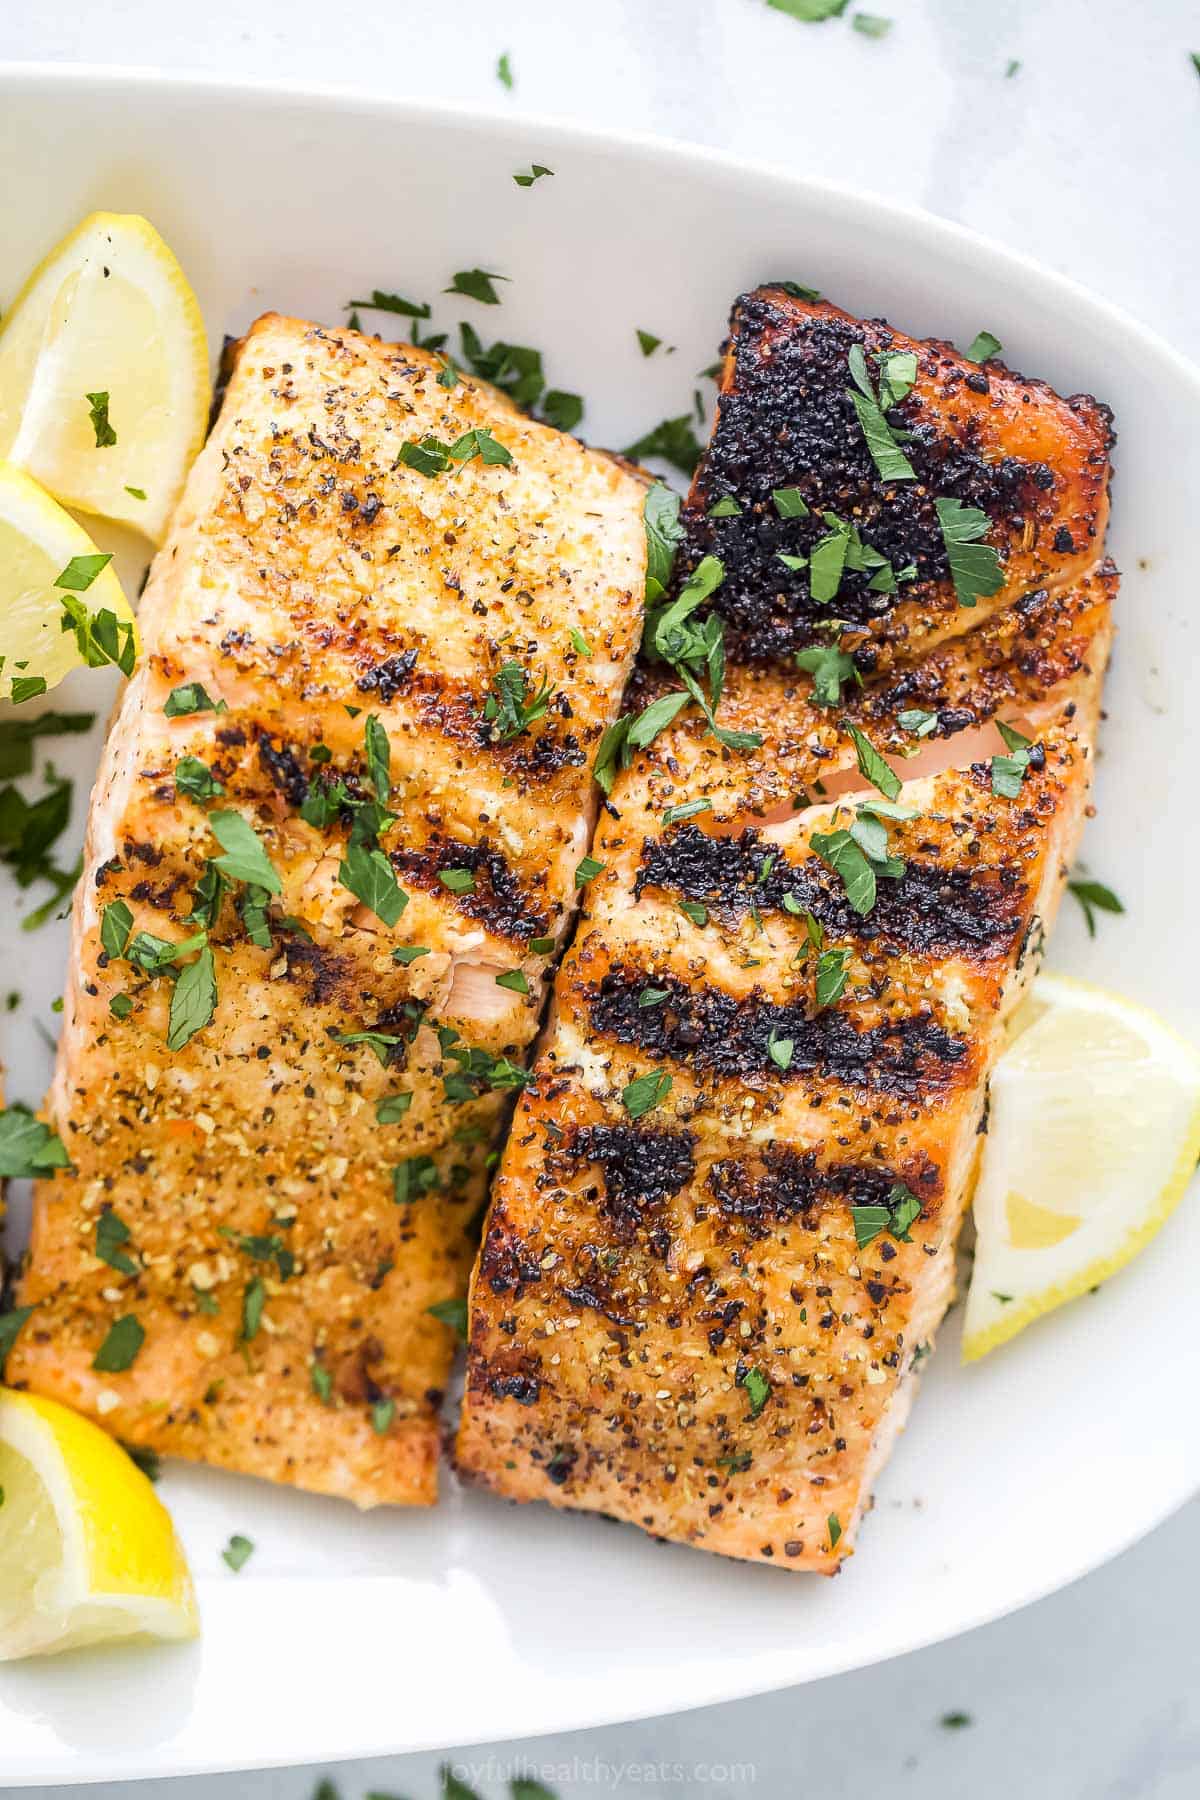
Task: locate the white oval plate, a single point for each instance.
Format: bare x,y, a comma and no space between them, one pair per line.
349,1635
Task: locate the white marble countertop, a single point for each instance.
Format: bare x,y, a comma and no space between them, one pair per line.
1085,158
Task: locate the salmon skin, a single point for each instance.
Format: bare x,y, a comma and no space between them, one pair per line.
722,1234
390,624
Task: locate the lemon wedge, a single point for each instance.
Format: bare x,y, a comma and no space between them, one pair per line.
1093,1136
87,1550
104,373
48,561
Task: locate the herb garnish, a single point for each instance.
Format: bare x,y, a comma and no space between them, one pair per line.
860,856
983,347
476,284
918,721
432,457
393,303
245,857
897,373
11,1325
810,12
1008,772
974,567
879,773
510,708
536,172
758,1390
587,871
645,1092
196,779
122,1342
1092,896
902,1210
832,975
452,1313
193,1000
830,668
111,1233
789,503
871,25
237,1552
674,440
725,508
515,980
418,1175
834,1526
192,697
27,1147
370,878
98,414
504,74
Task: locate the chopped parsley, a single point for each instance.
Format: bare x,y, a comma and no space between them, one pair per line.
27,1147
758,1390
834,1527
1008,772
645,1092
432,457
98,415
192,697
27,687
983,347
11,1325
902,1210
955,1721
196,779
253,1300
871,25
789,503
459,881
860,856
536,172
476,284
780,1050
504,74
587,871
136,493
693,910
897,373
111,1233
725,508
237,1552
382,1414
382,1043
686,810
660,512
1093,896
379,759
974,567
579,642
408,953
119,1350
193,1000
648,342
871,765
672,440
100,637
541,946
390,1108
452,1313
510,707
322,1382
917,720
830,669
370,878
245,857
809,12
832,975
392,303
514,980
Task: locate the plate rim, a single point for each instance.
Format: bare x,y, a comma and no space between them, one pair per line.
939,235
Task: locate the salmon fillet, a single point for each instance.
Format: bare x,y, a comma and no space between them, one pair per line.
722,1233
392,620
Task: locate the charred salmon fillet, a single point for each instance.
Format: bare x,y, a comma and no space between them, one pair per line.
722,1233
331,851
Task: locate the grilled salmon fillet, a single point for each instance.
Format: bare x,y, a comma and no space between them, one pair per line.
722,1234
331,852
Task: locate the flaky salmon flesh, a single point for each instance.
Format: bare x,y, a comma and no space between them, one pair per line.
330,855
723,1229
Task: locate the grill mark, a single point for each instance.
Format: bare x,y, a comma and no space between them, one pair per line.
787,421
283,769
456,714
930,910
712,1033
498,901
783,1185
642,1169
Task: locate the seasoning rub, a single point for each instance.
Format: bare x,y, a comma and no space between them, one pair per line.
331,852
722,1234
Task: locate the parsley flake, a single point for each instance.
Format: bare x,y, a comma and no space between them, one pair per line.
1093,896
237,1552
645,1092
111,1233
830,669
1008,772
98,414
245,857
983,347
476,284
974,567
119,1350
28,1148
536,173
370,878
510,708
587,871
452,1313
758,1390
